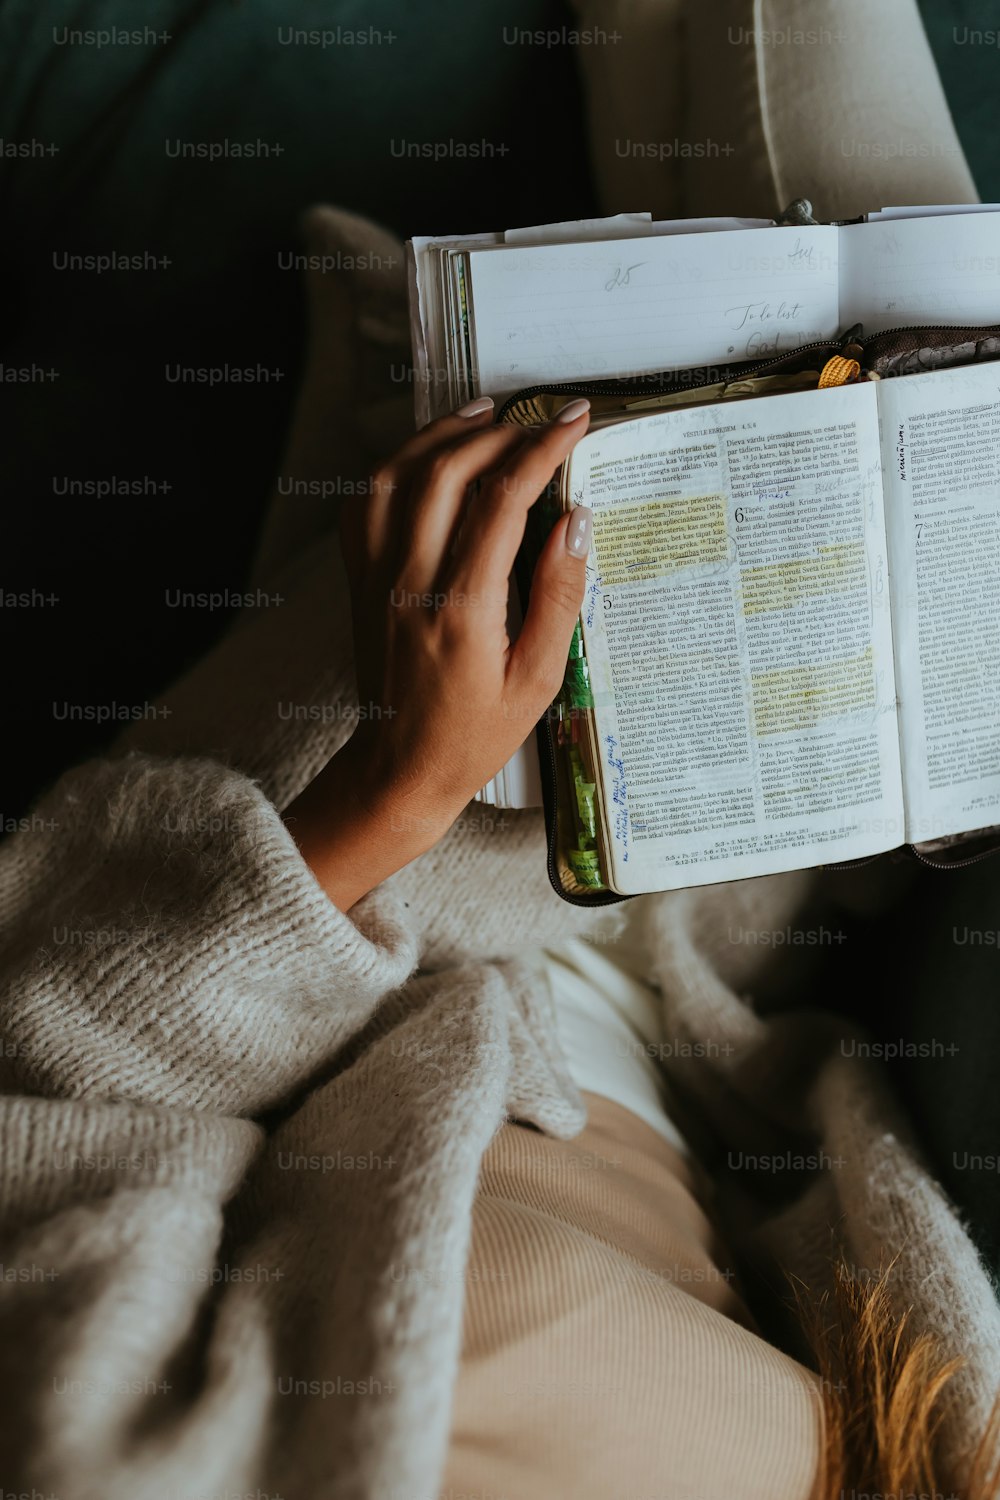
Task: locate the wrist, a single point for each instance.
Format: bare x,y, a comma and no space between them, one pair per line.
355,825
420,794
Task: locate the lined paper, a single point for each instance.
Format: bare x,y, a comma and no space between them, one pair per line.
629,307
938,270
932,210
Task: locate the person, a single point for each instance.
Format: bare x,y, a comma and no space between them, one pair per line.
341,1158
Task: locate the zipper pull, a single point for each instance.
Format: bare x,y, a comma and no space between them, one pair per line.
839,371
852,345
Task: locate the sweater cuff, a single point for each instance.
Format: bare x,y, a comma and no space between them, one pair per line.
166,943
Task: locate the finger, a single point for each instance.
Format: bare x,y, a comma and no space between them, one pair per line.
537,661
439,489
494,527
473,416
371,526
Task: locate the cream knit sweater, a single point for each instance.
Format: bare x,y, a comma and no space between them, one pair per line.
230,1112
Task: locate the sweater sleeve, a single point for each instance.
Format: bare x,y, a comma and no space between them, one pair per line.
162,942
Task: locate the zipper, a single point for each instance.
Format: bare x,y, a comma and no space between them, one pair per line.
886,333
619,387
734,372
953,864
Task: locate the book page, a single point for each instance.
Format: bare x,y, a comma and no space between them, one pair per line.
615,227
941,270
941,441
609,309
932,210
434,381
737,628
626,226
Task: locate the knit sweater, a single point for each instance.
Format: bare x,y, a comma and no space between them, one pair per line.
230,1111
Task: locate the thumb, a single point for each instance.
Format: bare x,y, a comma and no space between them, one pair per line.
538,659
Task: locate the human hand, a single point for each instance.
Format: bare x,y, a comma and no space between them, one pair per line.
447,698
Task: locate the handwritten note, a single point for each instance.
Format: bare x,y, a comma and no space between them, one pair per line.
629,307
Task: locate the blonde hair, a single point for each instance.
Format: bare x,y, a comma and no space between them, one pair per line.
886,1391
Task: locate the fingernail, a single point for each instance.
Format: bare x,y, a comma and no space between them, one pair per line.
573,410
578,532
473,408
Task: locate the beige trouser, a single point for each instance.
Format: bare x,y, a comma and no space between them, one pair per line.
607,1353
706,107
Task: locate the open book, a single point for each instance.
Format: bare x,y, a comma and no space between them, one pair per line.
630,297
792,627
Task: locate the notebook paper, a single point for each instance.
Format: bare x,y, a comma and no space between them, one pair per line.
607,309
898,273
